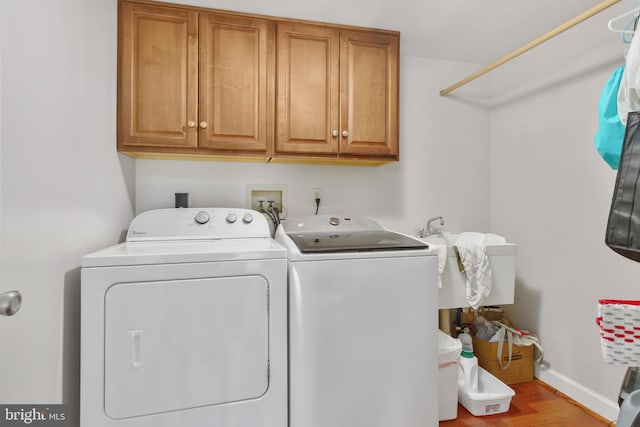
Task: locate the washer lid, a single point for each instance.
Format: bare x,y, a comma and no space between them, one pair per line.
326,234
359,241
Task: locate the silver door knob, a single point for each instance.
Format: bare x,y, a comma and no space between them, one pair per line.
203,125
191,124
335,133
345,133
10,303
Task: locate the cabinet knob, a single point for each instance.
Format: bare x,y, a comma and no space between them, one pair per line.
203,125
335,133
345,133
191,124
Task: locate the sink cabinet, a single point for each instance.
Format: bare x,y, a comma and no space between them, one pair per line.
202,83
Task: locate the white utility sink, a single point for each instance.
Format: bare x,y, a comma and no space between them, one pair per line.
502,257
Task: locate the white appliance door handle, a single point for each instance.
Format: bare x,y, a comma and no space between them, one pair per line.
10,303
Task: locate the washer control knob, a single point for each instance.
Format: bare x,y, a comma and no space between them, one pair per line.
231,218
334,221
247,218
202,217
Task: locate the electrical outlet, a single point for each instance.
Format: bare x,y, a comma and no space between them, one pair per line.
316,193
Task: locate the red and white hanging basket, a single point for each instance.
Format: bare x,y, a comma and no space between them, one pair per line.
619,322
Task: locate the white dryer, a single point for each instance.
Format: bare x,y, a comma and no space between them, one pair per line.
363,305
185,324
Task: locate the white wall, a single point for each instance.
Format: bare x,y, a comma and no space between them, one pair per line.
551,193
443,167
64,189
65,192
2,289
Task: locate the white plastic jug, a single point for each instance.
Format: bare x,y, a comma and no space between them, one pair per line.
468,377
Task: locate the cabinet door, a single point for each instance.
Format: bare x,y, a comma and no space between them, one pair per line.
158,77
307,89
369,94
234,79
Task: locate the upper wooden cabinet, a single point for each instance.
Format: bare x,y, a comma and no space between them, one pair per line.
158,77
308,89
337,92
196,82
368,94
193,82
234,83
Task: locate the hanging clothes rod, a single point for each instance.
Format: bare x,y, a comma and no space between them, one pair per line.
543,38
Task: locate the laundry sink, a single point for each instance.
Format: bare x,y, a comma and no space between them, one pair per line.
502,258
495,244
446,240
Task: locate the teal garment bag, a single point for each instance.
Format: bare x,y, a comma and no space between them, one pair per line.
610,131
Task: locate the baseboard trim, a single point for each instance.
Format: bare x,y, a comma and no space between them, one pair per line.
595,402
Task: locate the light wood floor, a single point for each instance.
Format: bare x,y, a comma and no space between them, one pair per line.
535,404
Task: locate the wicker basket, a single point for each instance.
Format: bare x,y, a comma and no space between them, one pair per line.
619,322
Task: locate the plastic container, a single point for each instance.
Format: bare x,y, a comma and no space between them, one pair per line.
468,373
448,363
493,396
468,363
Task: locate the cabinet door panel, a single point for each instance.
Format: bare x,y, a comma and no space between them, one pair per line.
158,83
307,92
233,82
369,94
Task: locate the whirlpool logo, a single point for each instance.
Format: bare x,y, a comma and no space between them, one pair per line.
36,415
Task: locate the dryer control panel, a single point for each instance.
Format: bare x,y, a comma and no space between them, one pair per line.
198,223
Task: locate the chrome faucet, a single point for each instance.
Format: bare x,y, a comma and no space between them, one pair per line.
435,230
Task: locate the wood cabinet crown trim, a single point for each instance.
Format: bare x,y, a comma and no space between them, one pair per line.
260,16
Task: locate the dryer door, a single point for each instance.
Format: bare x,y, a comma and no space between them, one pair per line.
180,344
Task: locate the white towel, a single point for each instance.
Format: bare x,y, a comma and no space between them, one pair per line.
474,258
442,260
629,90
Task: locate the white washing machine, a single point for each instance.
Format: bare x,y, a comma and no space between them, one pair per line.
363,304
185,324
